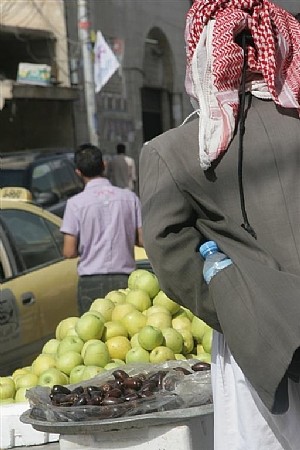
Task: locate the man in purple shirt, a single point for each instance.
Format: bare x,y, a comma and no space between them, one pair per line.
101,225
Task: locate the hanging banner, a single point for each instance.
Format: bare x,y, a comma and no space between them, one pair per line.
105,62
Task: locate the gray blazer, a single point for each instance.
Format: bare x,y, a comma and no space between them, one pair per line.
256,301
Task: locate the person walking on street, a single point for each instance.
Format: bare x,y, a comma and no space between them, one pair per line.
122,170
232,176
101,225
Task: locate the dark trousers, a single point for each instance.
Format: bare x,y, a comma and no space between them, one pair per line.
91,287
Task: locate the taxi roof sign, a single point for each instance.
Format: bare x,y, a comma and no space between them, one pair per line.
16,193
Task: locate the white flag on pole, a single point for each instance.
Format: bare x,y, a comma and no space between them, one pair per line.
105,63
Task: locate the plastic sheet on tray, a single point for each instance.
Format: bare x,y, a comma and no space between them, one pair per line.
177,390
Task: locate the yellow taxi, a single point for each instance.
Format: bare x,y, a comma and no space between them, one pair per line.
38,286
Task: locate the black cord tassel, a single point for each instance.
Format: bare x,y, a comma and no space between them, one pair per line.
246,225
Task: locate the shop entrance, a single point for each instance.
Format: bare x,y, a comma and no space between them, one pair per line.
151,113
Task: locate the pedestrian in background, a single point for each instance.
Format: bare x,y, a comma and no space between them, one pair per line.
232,176
101,225
122,170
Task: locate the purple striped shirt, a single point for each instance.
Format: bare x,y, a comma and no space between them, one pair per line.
105,219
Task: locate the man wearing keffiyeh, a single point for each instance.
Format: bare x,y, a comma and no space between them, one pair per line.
231,174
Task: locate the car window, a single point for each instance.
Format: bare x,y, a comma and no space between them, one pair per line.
33,239
5,266
57,235
42,179
13,177
65,181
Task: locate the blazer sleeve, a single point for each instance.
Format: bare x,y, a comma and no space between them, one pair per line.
171,239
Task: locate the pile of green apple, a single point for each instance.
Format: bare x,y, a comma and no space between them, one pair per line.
139,324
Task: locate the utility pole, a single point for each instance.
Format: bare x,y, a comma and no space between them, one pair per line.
88,71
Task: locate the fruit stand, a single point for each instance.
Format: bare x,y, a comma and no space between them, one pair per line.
154,409
181,429
139,330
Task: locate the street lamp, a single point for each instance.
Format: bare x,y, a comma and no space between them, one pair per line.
88,71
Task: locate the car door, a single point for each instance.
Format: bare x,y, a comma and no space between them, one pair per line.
40,289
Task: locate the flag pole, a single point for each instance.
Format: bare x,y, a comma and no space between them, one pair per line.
88,71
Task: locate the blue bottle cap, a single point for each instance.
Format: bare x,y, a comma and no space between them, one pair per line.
207,247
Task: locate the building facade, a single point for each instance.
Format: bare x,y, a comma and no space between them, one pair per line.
35,112
144,97
146,94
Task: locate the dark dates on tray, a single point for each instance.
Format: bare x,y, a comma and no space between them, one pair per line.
122,389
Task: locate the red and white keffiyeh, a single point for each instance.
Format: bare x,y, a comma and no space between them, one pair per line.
215,62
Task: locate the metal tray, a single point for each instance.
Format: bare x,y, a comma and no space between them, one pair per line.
123,423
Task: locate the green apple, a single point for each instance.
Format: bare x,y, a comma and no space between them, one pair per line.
179,356
207,340
91,371
134,341
191,356
70,343
161,354
64,326
181,312
199,349
77,373
160,320
188,341
51,346
96,354
114,363
20,371
187,312
204,357
27,380
181,323
124,290
20,396
52,376
137,355
162,299
118,346
144,280
93,312
157,309
150,337
198,329
71,332
89,326
7,388
133,276
173,339
105,306
67,361
43,362
86,344
113,328
118,361
134,321
117,297
121,310
139,299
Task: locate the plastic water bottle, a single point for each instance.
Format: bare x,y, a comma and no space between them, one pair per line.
214,260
